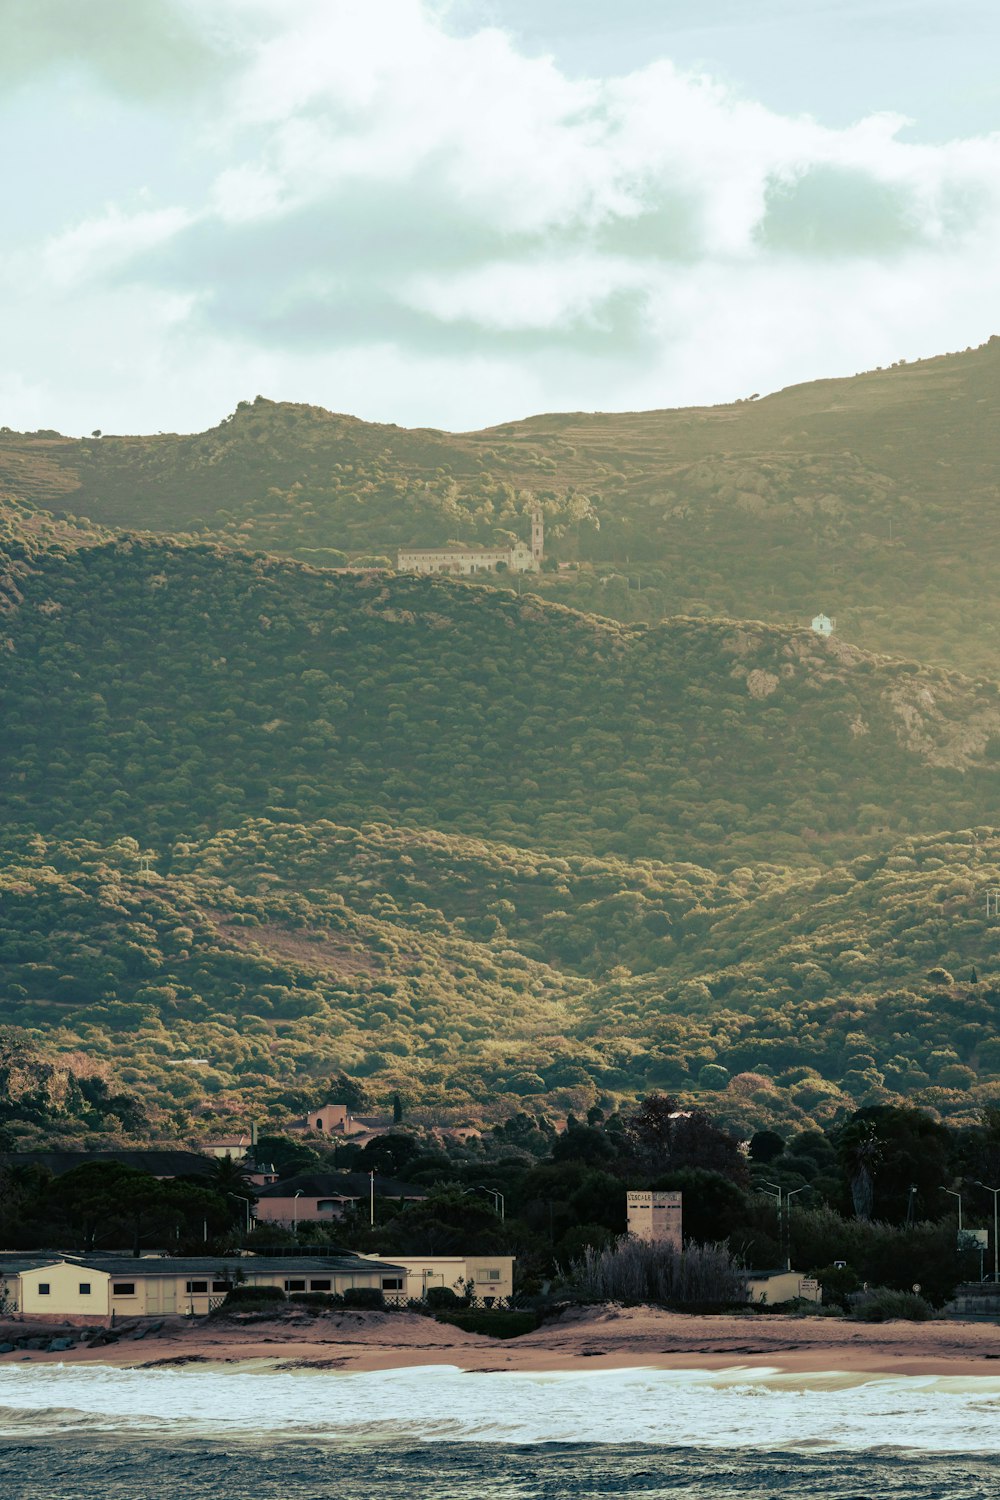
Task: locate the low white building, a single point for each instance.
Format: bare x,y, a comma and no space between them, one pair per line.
491,1277
92,1289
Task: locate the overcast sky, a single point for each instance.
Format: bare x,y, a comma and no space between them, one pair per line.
457,212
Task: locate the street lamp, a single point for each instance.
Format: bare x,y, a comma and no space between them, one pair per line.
996,1256
952,1194
295,1212
247,1201
788,1221
498,1198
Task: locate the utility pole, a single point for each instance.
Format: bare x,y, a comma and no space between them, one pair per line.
788,1222
996,1249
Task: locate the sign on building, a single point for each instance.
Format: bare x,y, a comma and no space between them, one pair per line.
655,1218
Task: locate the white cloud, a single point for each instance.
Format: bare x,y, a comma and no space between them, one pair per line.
430,227
101,246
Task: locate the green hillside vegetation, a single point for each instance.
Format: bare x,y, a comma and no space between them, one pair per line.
159,691
275,956
265,824
865,497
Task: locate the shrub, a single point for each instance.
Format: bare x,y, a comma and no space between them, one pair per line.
244,1294
443,1297
497,1324
363,1297
632,1271
317,1299
880,1304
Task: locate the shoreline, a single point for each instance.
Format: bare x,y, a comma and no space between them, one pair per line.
584,1339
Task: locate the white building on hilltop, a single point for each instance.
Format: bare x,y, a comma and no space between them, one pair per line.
823,625
463,561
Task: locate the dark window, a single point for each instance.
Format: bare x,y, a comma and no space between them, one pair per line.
124,1289
295,1286
84,1288
319,1286
43,1289
392,1283
222,1286
197,1286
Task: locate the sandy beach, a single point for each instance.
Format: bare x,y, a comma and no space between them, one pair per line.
590,1338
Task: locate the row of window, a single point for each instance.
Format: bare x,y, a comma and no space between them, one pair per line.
127,1288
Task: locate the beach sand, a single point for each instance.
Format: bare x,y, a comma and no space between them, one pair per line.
581,1338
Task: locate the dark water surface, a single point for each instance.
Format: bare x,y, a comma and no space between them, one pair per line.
105,1468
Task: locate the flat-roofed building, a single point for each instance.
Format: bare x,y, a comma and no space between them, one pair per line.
656,1218
490,1277
90,1289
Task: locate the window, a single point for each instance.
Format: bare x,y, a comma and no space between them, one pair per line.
124,1288
295,1286
392,1283
492,1275
222,1286
320,1286
197,1286
43,1289
84,1288
484,1274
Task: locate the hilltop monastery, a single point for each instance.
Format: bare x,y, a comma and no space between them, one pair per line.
465,560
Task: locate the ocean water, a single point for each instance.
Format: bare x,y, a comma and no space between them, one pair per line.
86,1432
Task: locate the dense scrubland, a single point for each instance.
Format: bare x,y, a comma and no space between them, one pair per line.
871,498
475,846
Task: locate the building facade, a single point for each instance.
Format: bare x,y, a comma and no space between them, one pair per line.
489,1279
656,1218
465,561
92,1289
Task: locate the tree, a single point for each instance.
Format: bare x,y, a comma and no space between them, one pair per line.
662,1137
765,1145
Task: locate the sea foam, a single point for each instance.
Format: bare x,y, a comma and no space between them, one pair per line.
739,1408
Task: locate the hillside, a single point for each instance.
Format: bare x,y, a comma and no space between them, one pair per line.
272,957
868,497
159,691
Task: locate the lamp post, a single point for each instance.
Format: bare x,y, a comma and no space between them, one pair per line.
295,1211
788,1222
498,1198
996,1248
952,1194
247,1202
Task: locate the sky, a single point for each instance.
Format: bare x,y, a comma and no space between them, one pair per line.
453,213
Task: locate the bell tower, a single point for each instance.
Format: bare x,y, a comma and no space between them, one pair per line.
537,534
